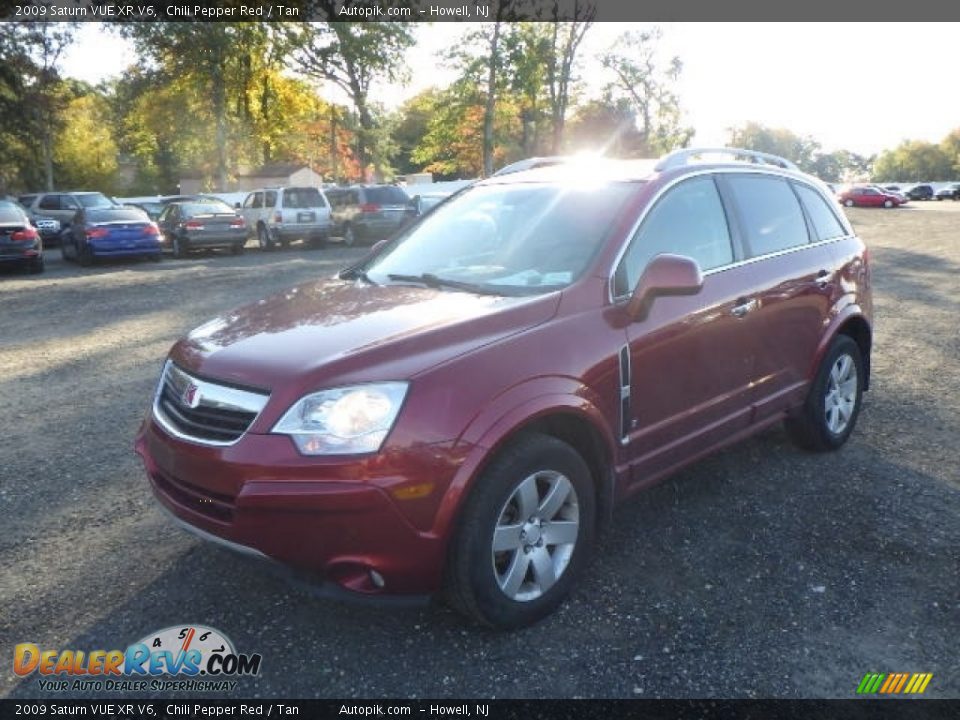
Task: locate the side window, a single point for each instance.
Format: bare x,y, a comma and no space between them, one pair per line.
270,198
49,202
164,214
249,200
824,220
771,215
353,198
688,220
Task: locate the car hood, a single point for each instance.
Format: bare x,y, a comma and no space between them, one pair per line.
340,331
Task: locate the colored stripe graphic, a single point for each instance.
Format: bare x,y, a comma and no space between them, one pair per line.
894,683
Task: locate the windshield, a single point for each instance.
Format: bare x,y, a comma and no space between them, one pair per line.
523,238
387,195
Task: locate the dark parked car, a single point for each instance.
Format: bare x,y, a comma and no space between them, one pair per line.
20,241
462,410
367,212
951,192
870,196
152,209
111,232
921,192
187,226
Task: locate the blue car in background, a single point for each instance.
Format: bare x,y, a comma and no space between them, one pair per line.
111,232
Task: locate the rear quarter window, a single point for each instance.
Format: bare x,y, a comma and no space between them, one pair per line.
825,223
770,213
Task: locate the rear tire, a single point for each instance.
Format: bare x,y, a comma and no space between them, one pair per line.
888,203
263,238
36,265
830,412
318,242
237,248
180,248
349,239
85,256
525,534
848,203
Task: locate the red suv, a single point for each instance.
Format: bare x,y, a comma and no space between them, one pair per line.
462,410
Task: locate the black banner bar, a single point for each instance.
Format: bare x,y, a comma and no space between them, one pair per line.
486,709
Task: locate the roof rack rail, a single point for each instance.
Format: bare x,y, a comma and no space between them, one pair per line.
681,157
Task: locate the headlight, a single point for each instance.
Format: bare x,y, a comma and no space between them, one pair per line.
343,421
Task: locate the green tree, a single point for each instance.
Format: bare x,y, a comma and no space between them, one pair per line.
353,56
565,39
32,95
85,152
914,161
777,141
951,148
647,84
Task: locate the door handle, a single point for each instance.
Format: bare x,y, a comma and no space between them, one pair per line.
823,277
743,306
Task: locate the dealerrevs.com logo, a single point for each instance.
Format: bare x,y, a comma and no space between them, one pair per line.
200,658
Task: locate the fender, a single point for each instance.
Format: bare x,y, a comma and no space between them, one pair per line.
507,413
840,317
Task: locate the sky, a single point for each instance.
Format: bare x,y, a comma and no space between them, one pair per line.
862,87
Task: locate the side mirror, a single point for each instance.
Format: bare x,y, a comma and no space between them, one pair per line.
665,275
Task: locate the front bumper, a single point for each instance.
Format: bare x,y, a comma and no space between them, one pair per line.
262,499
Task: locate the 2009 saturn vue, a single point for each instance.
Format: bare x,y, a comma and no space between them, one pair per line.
460,411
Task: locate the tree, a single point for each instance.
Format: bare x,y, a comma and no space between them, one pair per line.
565,39
777,141
607,124
352,56
914,161
85,151
647,85
32,93
951,148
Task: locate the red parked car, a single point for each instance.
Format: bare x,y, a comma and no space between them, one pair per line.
871,196
462,410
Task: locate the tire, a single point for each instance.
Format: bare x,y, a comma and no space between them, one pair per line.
263,238
828,417
518,585
237,248
156,257
349,239
848,203
85,256
36,265
318,242
888,203
285,244
180,248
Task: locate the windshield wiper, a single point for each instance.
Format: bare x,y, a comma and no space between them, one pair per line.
434,281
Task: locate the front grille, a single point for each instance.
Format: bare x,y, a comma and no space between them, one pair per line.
202,411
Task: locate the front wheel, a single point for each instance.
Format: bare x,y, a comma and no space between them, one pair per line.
830,412
525,534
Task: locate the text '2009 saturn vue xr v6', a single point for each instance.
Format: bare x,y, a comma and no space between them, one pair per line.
459,413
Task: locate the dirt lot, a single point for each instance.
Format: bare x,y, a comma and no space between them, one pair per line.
760,572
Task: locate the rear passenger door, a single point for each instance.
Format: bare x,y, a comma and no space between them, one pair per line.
788,230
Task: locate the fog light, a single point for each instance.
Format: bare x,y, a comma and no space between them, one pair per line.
377,579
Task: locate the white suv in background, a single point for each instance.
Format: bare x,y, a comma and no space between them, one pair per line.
280,215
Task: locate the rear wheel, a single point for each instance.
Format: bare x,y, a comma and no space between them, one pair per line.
181,248
36,265
888,203
85,256
263,238
526,532
848,203
830,413
237,248
318,242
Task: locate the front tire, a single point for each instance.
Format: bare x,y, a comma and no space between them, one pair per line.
830,412
263,238
525,534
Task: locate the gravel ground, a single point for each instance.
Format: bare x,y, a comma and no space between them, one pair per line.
759,572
